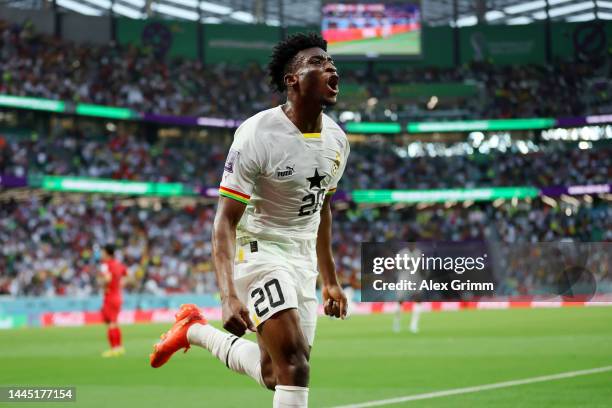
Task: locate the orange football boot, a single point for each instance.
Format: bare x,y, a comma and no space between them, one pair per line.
176,338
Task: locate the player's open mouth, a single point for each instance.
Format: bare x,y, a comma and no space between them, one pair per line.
332,84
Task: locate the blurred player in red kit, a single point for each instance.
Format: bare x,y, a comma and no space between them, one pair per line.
112,273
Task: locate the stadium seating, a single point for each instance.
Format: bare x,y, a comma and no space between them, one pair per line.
45,251
382,165
42,66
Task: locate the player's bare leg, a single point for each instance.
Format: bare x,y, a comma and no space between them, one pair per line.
289,354
267,369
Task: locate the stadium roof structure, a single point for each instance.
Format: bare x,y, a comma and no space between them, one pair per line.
308,12
270,12
509,12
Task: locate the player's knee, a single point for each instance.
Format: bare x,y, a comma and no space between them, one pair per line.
270,382
295,371
267,374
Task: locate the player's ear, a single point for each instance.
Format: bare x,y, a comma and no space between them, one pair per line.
290,80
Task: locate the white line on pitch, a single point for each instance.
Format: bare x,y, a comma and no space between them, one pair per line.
477,388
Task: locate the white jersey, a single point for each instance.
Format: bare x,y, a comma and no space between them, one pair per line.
282,175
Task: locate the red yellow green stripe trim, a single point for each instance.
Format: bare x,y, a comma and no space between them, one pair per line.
330,191
236,195
312,135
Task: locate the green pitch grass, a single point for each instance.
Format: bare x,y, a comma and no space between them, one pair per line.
353,361
397,44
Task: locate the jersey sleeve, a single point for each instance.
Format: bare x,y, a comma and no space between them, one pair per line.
242,167
342,165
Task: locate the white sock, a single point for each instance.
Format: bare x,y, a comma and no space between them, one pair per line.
289,396
414,318
240,355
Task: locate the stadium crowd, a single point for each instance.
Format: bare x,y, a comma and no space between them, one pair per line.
516,91
525,222
373,166
117,155
44,250
43,66
383,165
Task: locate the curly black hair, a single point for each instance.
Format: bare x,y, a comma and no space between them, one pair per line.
284,53
110,249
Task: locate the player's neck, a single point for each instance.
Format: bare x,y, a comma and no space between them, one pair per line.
308,119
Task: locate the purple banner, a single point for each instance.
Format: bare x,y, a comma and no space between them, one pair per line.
589,189
556,191
171,120
341,195
192,121
571,122
9,181
219,122
584,121
210,192
597,119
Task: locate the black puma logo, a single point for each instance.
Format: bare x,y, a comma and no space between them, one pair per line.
289,170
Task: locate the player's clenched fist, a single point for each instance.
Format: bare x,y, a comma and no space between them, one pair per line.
236,318
334,301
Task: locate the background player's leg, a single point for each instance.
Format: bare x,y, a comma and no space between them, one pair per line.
397,318
115,333
288,348
415,316
110,335
240,355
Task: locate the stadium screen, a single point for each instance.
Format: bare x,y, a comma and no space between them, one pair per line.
372,29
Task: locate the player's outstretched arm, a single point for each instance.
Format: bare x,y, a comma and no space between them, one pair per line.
334,300
236,318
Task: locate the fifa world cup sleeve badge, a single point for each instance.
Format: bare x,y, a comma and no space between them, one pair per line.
232,159
336,164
